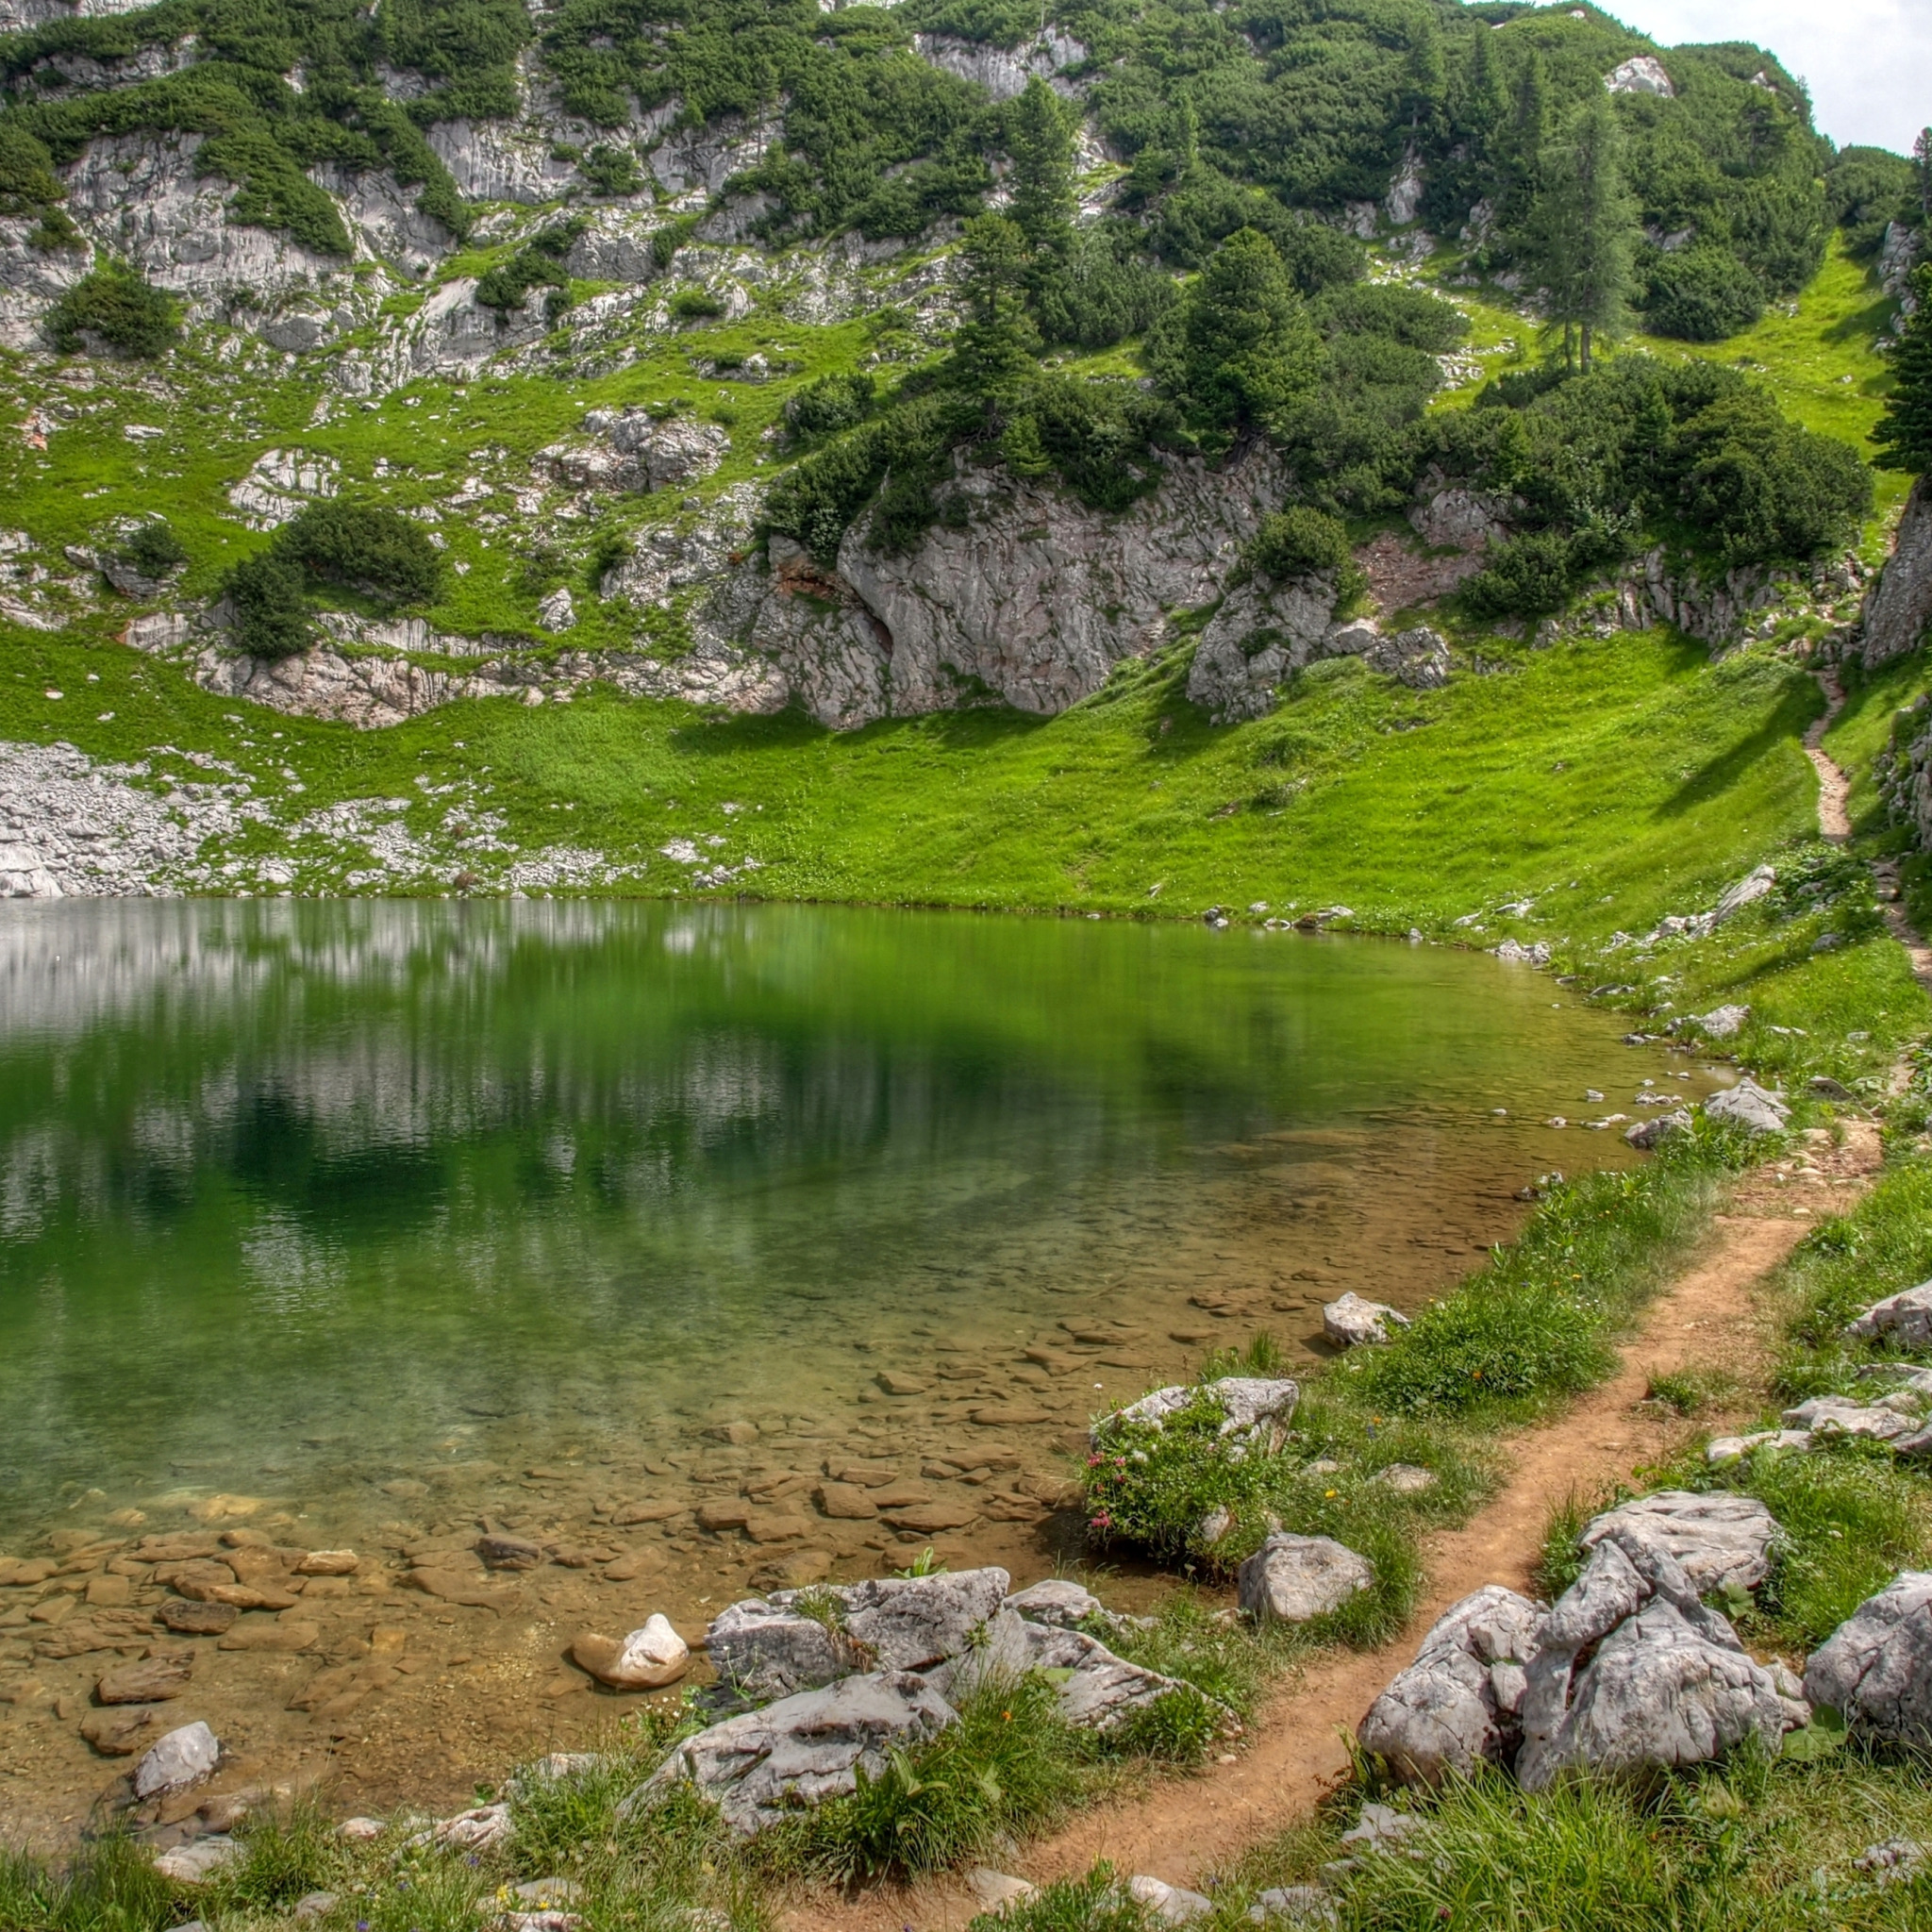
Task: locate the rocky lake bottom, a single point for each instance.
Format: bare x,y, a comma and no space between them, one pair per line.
705,1252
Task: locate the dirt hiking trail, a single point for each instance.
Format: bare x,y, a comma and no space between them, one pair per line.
1183,1830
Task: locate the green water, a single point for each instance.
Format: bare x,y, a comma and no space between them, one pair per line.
360,1208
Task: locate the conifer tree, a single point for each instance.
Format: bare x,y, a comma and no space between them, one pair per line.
1246,350
1040,139
1904,435
994,348
1584,226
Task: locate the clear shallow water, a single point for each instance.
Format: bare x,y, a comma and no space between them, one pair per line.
356,1212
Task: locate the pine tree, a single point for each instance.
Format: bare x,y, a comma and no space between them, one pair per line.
1040,139
1904,435
1584,226
1247,349
994,348
1921,157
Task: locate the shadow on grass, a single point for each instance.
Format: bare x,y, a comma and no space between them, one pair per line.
1717,776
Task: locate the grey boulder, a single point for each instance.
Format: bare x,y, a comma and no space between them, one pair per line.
1631,1672
1292,1579
1658,1128
767,1648
1720,1539
1173,1904
1836,1415
1877,1667
1055,1600
1751,1107
762,1765
1254,1410
1459,1703
1095,1690
1905,1318
1352,1321
183,1757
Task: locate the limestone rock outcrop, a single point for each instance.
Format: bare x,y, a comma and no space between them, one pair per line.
1899,608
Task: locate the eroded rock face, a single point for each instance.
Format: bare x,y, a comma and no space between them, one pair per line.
636,451
1642,74
1037,597
1877,1667
1263,630
807,1748
1720,1539
1004,71
1460,1703
32,280
139,197
1900,606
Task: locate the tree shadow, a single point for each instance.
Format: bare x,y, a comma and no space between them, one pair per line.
1716,777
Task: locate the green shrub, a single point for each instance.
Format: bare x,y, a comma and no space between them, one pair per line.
1298,542
55,233
697,304
612,170
539,264
363,546
114,304
1529,575
1008,1765
154,550
271,619
1412,317
1702,295
27,181
831,404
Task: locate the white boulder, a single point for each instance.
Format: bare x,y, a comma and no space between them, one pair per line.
651,1656
762,1767
1353,1320
1905,1318
183,1757
1293,1579
1720,1539
1632,1671
1459,1703
1877,1667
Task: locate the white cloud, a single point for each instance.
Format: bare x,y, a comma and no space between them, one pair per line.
1867,62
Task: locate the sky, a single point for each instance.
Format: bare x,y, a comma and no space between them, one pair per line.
1867,62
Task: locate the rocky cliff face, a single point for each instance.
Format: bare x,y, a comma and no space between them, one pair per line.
1031,599
1899,609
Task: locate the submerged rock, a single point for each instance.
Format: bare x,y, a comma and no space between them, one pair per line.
651,1656
183,1757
